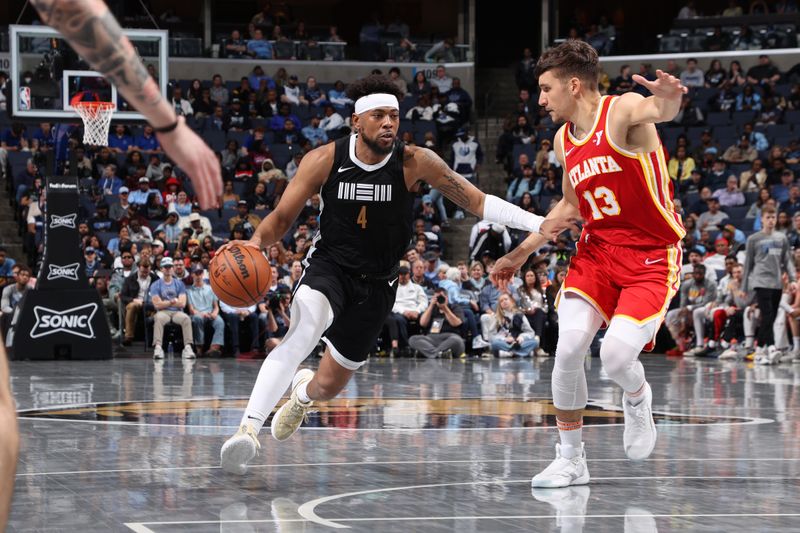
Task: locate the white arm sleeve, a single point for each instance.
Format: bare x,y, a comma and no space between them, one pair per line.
498,210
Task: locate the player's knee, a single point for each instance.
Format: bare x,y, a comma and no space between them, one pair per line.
571,348
616,357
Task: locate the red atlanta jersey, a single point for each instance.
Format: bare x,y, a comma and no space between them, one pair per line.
625,198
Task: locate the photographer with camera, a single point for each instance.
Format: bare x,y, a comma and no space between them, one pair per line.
274,316
442,323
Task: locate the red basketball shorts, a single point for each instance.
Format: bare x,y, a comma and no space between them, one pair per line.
632,283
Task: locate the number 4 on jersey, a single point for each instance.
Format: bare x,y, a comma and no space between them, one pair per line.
610,205
362,217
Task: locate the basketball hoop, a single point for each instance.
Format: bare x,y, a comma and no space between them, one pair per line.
96,120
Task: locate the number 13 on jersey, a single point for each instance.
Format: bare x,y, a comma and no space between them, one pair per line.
362,217
610,206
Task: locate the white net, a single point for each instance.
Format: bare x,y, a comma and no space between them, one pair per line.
96,120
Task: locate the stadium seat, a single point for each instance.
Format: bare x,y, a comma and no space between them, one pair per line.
725,132
693,134
737,212
238,136
741,118
694,43
670,43
283,49
280,155
718,118
215,139
792,116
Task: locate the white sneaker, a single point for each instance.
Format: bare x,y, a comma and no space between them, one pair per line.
291,415
504,354
773,355
187,352
569,503
540,353
478,343
640,434
563,472
638,520
787,356
730,353
239,450
694,352
158,352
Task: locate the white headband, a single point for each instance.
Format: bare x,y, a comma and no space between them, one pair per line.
371,101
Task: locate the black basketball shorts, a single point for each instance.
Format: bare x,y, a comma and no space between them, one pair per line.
360,306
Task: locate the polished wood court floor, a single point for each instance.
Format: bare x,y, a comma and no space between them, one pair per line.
411,445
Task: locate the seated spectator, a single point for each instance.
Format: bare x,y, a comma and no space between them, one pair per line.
422,111
235,47
764,73
289,134
749,100
688,114
120,140
521,185
236,119
218,92
135,291
259,48
757,139
233,316
292,92
780,192
418,276
622,83
180,104
146,143
692,76
109,183
755,178
250,221
730,196
770,114
409,304
101,221
258,199
139,197
716,260
333,121
169,299
314,132
794,234
742,152
277,122
171,228
12,294
338,97
139,232
712,219
441,80
680,167
154,210
441,324
696,293
490,238
313,94
509,332
6,265
204,310
532,300
792,204
715,75
181,205
420,85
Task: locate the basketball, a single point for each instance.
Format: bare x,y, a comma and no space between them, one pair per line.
240,276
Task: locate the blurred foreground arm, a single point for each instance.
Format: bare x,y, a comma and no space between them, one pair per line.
9,440
95,34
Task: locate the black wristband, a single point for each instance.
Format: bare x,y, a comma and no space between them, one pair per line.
167,129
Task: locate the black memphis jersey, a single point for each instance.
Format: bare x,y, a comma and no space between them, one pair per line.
365,224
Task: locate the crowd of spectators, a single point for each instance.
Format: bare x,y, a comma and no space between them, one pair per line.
733,155
147,246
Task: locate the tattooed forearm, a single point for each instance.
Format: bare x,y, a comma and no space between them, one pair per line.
453,189
451,184
95,34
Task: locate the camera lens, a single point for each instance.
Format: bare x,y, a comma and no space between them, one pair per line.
440,299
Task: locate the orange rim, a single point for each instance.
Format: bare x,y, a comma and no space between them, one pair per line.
95,105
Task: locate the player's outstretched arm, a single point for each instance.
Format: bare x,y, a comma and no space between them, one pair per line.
95,35
423,164
662,106
9,439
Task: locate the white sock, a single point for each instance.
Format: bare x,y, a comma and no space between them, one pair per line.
570,439
796,343
302,393
748,341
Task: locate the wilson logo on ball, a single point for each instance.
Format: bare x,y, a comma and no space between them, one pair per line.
238,256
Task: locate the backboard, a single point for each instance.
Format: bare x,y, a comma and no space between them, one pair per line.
46,73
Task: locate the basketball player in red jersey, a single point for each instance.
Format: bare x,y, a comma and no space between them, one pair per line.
628,259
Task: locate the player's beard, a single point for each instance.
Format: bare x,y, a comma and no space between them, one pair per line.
375,146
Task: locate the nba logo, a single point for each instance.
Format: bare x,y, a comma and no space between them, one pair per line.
24,98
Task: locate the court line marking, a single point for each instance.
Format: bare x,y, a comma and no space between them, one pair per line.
141,527
384,463
307,510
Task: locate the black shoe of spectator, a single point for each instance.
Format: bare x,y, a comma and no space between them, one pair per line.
127,341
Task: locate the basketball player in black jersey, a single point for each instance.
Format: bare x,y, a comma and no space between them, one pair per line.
366,182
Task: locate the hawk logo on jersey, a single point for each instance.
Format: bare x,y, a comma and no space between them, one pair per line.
364,192
604,164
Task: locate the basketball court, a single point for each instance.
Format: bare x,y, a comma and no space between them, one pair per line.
411,445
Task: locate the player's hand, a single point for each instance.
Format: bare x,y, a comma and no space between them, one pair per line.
504,270
664,86
553,227
197,160
230,244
